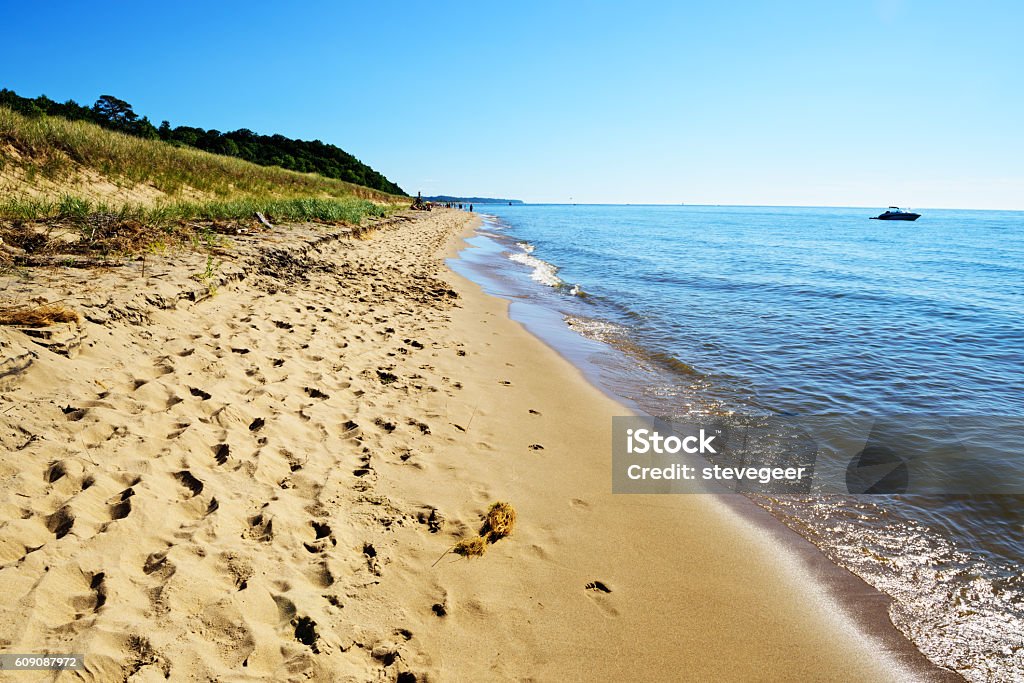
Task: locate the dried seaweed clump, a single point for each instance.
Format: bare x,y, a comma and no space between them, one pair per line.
470,547
499,522
40,316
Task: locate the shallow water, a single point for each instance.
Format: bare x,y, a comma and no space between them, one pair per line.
688,312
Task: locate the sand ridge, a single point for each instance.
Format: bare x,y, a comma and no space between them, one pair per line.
251,476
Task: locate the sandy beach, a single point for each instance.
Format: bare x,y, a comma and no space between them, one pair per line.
246,465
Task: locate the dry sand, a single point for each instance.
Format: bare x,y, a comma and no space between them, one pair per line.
256,484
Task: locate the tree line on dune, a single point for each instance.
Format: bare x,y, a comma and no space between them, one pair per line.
266,150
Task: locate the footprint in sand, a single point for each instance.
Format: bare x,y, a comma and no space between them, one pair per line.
186,479
156,562
261,528
72,414
424,428
221,452
364,468
305,633
313,392
55,471
598,591
179,429
61,522
199,393
120,506
96,584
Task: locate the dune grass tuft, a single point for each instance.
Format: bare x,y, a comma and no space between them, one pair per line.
39,316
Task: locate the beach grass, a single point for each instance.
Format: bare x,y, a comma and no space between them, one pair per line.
72,208
78,176
54,148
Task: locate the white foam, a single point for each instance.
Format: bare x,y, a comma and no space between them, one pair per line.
543,272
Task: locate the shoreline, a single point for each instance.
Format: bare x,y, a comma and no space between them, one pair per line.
865,605
177,503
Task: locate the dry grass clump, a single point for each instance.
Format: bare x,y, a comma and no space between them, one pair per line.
470,547
498,523
40,316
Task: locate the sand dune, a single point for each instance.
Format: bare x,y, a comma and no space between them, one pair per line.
246,469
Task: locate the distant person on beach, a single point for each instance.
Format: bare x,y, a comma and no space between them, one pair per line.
471,208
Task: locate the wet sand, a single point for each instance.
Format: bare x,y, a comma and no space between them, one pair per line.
250,474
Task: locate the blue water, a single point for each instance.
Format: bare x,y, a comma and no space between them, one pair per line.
767,310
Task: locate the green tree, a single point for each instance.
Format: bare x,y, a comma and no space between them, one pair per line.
114,112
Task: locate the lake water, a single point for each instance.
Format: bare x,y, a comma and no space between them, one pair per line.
690,312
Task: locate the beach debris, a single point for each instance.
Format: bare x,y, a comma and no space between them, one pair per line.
9,249
499,522
263,221
419,204
470,547
598,586
38,316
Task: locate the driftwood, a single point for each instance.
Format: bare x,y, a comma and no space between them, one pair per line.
10,250
65,261
263,221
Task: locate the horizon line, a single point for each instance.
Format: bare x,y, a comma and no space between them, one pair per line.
523,202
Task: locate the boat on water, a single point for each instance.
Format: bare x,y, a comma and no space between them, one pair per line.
895,213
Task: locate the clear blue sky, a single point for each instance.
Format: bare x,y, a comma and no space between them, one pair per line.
825,103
